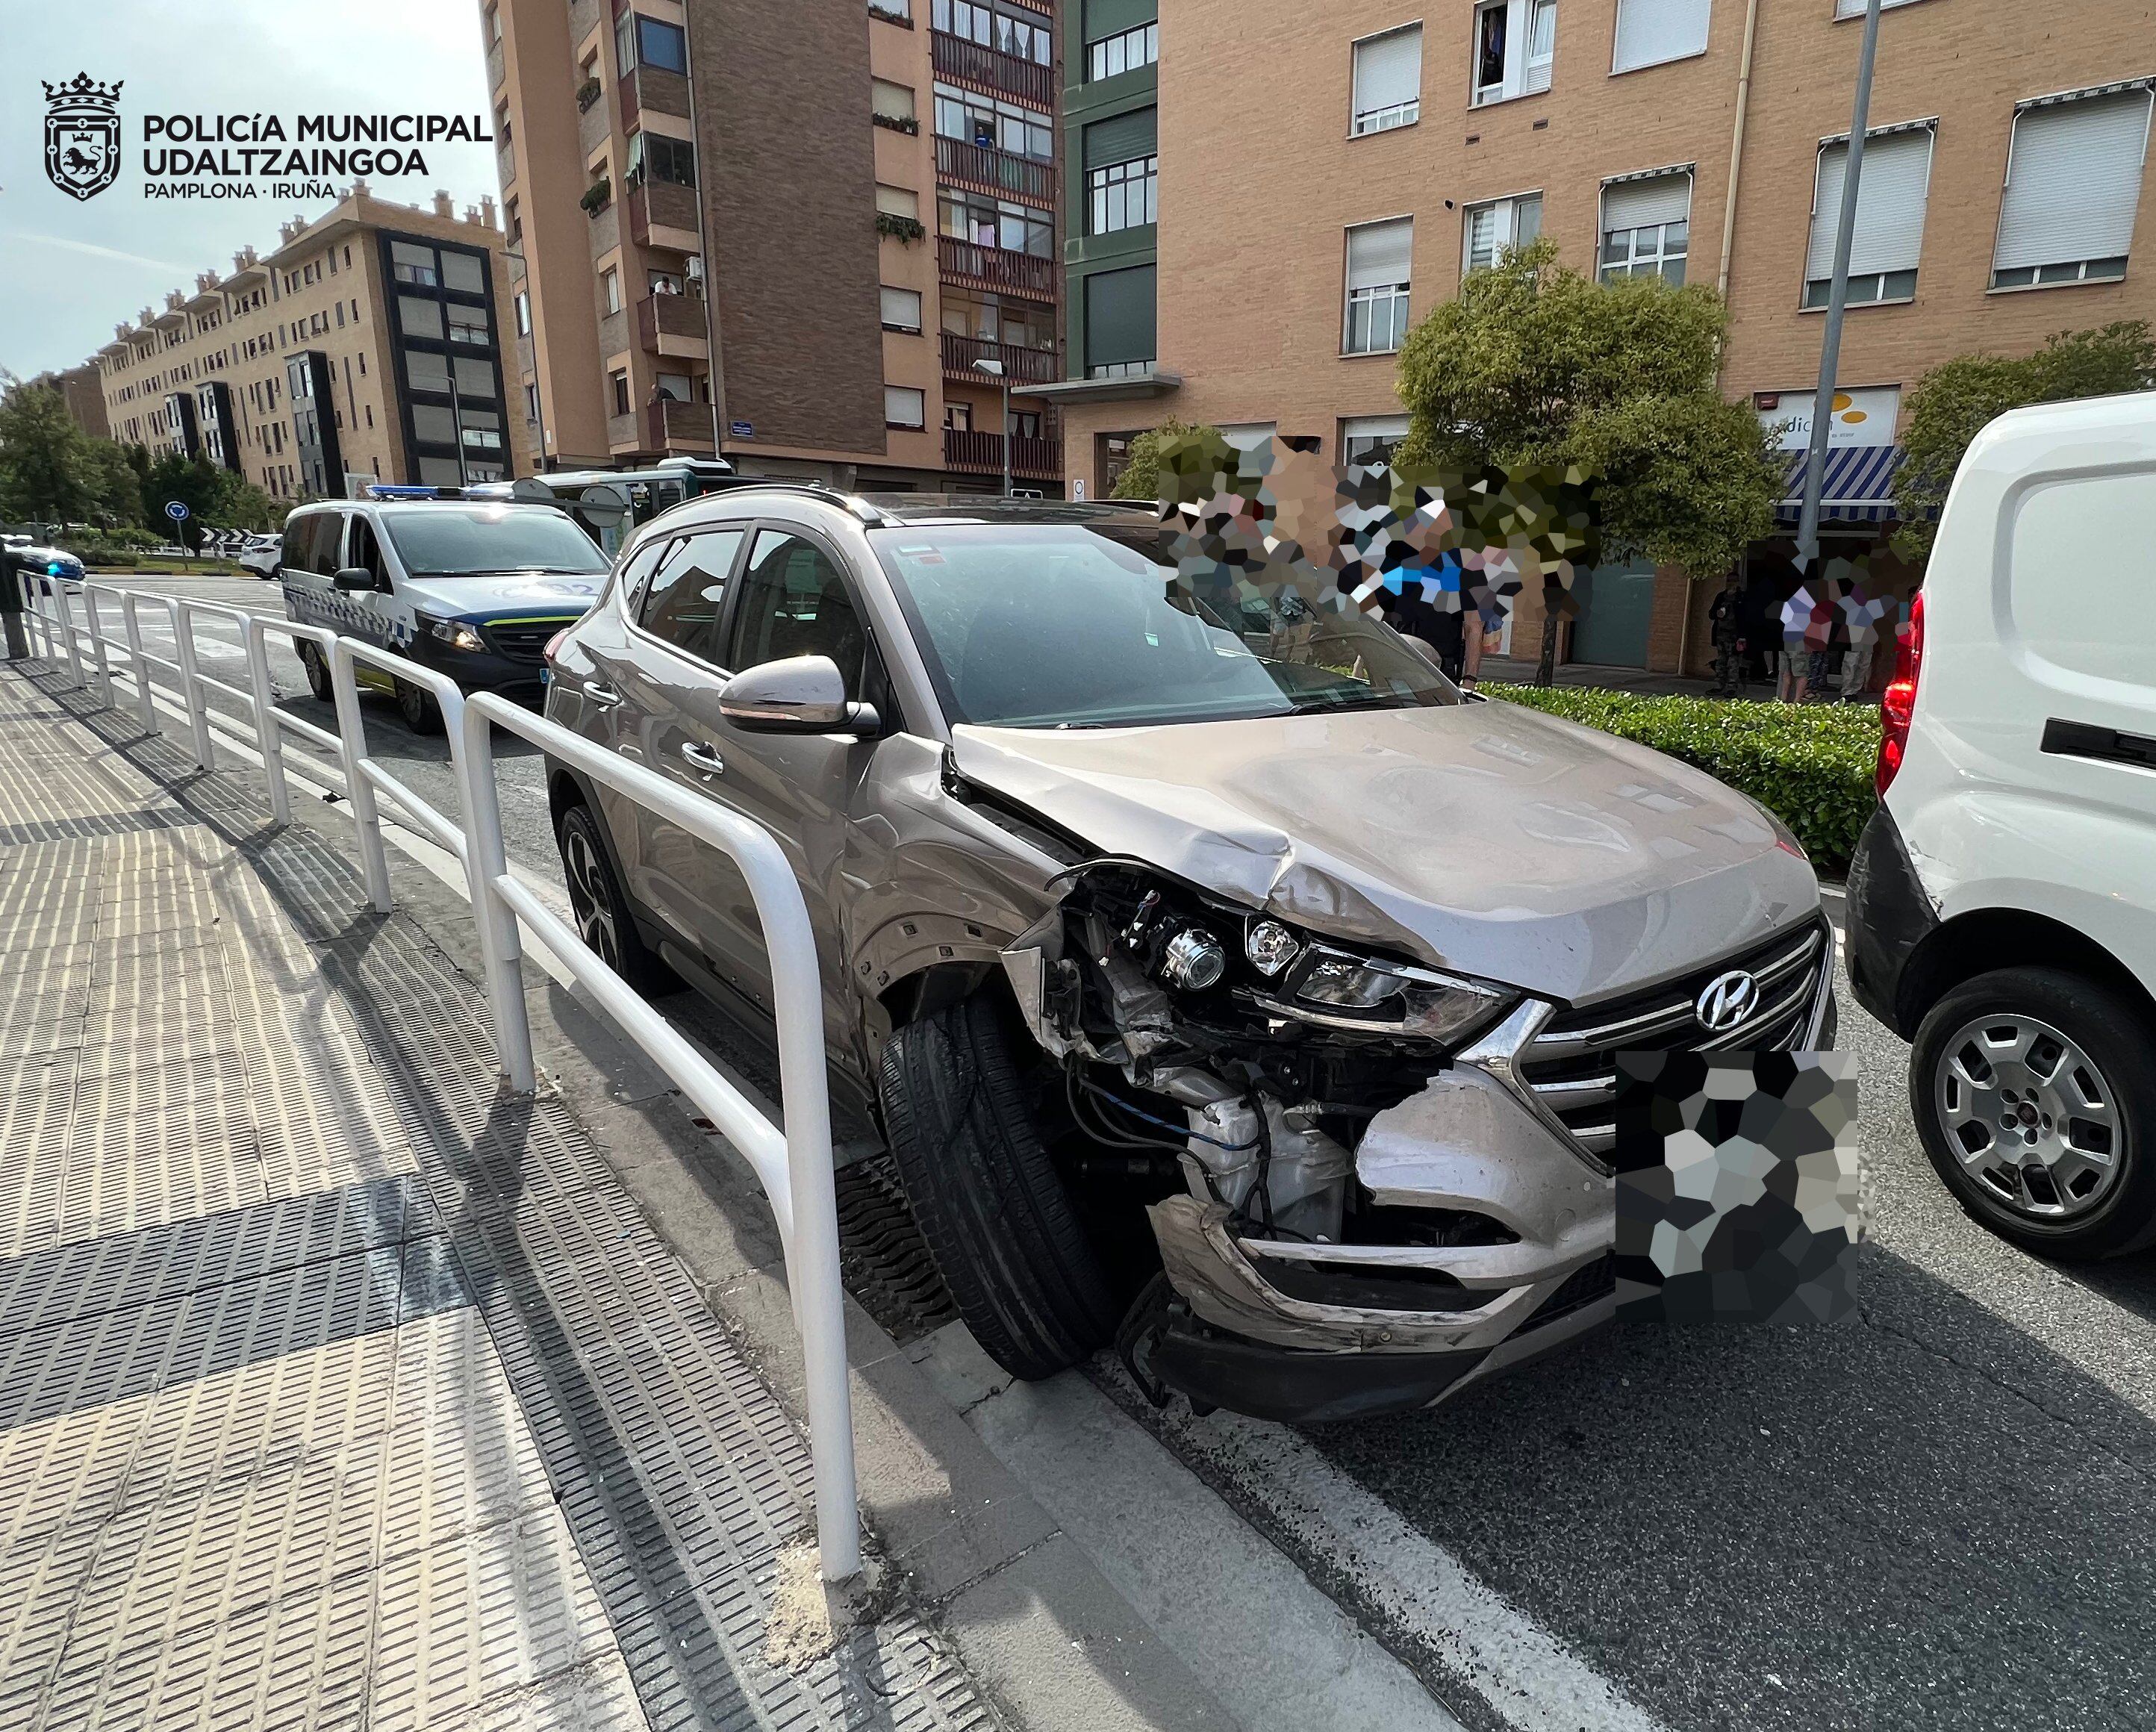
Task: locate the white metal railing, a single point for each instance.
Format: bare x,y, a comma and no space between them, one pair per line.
793,1164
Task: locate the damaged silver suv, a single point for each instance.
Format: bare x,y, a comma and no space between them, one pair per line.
1226,982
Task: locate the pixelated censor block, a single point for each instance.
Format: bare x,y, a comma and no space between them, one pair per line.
1736,1186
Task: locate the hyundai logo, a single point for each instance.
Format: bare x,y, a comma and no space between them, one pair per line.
1726,1001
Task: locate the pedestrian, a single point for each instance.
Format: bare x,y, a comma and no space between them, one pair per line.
1796,621
1728,645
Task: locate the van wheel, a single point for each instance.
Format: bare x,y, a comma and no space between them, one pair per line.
318,672
988,1197
421,713
2032,1092
602,918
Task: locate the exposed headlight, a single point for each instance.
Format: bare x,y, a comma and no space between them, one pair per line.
455,633
1340,990
1193,959
1270,946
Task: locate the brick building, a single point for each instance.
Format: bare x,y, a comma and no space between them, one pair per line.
82,388
365,344
1298,240
789,234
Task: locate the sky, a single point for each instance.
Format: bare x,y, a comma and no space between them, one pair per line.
70,270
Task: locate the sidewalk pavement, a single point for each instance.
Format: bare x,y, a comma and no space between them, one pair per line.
337,1390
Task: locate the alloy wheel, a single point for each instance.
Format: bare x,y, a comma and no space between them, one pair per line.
587,897
2034,1122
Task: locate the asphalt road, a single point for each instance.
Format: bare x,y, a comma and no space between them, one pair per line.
1937,1514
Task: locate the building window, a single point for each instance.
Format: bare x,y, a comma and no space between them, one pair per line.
996,223
610,290
901,309
1018,325
957,417
1123,195
891,101
414,264
638,40
1120,330
898,202
1387,81
1890,217
1646,222
995,124
523,313
1651,31
655,156
676,387
1488,231
620,392
471,325
1371,438
1379,269
2073,178
1121,36
531,403
1854,9
1515,45
1013,30
905,406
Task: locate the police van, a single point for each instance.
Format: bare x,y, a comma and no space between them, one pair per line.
474,588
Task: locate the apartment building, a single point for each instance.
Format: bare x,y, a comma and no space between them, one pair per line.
365,345
82,389
818,240
1301,235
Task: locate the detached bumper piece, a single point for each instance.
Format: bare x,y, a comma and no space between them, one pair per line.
1167,1349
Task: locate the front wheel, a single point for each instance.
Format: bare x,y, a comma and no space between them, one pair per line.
986,1194
317,670
601,910
2031,1090
417,705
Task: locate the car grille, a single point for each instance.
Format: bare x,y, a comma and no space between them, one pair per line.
524,640
1581,1289
1572,1063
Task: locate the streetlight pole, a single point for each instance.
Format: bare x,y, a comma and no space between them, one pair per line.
1837,298
538,385
996,370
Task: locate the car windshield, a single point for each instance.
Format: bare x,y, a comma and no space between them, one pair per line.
1077,625
446,541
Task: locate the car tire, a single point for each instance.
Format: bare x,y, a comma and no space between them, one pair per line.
986,1195
2099,1071
318,672
421,713
601,909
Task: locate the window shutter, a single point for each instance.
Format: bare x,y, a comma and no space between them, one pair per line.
1645,204
1121,138
1112,18
1119,316
1650,32
1380,254
892,101
2073,182
904,406
1389,71
898,201
902,307
1854,9
1889,205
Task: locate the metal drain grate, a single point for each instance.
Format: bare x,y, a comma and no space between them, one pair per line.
884,1259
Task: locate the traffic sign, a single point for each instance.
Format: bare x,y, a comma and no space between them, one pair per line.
176,510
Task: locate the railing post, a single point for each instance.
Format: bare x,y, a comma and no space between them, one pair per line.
488,860
94,623
352,738
145,705
269,736
67,632
183,639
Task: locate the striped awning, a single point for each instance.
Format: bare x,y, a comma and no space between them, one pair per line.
1858,486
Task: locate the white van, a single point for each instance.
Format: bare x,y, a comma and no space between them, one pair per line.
2002,901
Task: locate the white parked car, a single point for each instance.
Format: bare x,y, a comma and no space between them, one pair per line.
2002,901
261,554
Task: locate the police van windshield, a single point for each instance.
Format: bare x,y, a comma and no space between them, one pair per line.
457,541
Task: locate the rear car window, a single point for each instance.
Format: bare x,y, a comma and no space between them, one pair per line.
689,589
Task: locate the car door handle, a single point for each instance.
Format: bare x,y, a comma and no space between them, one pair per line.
599,692
702,757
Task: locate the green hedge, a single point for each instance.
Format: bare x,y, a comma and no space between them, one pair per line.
1809,764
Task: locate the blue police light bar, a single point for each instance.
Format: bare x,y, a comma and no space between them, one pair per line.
394,489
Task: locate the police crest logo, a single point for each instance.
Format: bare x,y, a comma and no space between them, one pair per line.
82,136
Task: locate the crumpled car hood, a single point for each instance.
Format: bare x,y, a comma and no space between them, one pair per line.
1485,838
505,593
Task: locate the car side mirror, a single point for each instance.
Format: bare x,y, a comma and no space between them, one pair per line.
803,694
354,577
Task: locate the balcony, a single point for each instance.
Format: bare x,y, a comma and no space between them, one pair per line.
669,425
986,69
660,204
672,325
652,89
982,454
995,171
1024,367
995,268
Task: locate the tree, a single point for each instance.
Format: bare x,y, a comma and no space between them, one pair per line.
1953,402
43,454
1140,475
115,489
1533,364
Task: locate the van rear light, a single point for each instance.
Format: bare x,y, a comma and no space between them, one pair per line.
1898,704
553,644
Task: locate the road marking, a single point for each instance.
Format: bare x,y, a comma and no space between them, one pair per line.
1420,1596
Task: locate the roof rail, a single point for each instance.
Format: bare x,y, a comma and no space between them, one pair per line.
850,502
